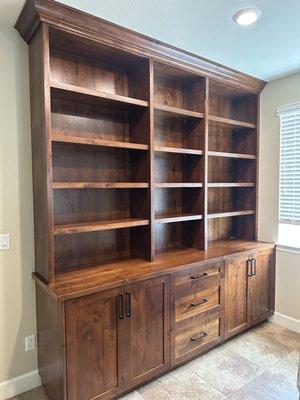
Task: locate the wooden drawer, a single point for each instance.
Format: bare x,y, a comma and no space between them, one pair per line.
196,337
198,276
197,302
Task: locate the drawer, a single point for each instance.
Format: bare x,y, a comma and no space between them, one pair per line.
197,336
198,302
198,275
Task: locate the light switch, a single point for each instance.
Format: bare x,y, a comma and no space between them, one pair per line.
4,241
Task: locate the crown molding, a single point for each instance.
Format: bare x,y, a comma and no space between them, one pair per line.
97,29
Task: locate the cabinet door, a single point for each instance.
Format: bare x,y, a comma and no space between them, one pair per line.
146,330
262,286
236,296
92,346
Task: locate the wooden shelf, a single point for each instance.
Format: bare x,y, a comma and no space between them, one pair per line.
233,123
100,185
178,150
178,185
56,137
178,112
231,155
225,214
98,226
70,91
229,184
164,219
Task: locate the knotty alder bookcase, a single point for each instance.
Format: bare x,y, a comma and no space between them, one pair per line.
145,197
141,157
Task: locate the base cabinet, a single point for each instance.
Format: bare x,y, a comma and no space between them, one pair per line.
249,290
117,339
102,345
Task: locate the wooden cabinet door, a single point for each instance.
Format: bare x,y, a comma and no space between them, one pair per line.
261,286
236,296
146,330
92,346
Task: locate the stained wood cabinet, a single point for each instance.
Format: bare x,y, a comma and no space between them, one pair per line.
117,339
249,286
144,174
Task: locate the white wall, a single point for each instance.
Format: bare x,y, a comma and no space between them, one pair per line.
17,297
277,93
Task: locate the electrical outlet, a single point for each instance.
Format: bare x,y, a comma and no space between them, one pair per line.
30,343
4,241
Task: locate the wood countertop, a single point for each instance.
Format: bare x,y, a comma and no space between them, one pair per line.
85,281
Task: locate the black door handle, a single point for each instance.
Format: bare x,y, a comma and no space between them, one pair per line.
120,306
128,304
253,266
249,267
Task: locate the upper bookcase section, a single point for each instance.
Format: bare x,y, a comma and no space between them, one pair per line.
98,31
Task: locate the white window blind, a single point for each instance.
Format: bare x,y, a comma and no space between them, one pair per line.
289,202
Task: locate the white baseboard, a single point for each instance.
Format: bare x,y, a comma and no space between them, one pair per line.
19,385
285,321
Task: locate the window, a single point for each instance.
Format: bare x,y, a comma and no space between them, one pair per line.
289,198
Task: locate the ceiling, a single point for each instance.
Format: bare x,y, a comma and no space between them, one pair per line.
268,49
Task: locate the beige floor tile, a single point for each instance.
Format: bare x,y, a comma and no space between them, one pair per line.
249,392
132,396
260,349
181,384
225,370
281,334
279,381
293,358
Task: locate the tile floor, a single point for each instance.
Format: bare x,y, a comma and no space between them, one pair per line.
258,365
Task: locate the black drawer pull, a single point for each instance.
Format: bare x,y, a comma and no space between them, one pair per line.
198,303
200,276
199,337
120,306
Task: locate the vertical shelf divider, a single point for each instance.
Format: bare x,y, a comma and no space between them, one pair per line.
205,166
151,157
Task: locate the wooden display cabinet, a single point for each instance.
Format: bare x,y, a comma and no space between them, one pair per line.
145,163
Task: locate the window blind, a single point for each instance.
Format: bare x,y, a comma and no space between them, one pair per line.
289,204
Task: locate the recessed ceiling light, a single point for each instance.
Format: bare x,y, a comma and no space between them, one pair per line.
247,16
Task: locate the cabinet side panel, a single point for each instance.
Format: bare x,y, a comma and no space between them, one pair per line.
50,338
41,152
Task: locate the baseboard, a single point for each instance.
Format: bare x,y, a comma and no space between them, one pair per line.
285,321
19,385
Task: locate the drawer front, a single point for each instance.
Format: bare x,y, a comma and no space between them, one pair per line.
198,275
197,336
198,302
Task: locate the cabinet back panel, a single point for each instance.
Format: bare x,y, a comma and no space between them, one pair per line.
89,73
177,88
177,168
230,199
173,132
88,205
242,227
230,170
231,140
230,103
91,164
90,249
177,201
